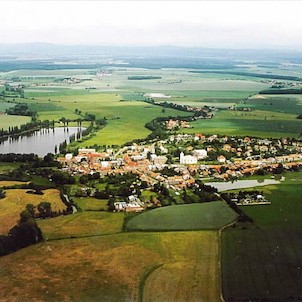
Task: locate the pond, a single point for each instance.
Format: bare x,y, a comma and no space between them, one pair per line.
39,142
242,184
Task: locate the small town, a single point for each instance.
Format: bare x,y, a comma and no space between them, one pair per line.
177,162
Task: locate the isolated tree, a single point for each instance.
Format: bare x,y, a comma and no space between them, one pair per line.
31,209
44,208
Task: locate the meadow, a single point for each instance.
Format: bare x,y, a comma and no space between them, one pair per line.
211,215
15,201
264,262
91,203
254,123
7,121
117,98
126,120
115,268
81,224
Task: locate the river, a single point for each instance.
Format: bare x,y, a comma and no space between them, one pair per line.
39,142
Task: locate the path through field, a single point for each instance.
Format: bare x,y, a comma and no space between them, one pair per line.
191,271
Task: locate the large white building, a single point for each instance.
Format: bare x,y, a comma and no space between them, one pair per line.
200,153
187,159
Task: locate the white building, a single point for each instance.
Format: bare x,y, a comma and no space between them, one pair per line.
187,159
200,153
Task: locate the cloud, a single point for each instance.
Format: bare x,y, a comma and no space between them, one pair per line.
235,24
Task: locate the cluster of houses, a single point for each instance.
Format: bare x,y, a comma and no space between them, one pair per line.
149,160
173,124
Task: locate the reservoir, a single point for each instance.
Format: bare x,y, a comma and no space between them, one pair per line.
39,142
242,184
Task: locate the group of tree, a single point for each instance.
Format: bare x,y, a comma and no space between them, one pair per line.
25,233
21,109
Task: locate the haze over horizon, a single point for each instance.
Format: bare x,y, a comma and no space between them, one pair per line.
217,24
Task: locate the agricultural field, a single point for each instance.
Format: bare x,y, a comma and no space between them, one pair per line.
81,224
255,123
115,268
264,262
126,119
7,183
91,204
211,215
15,201
285,103
7,121
6,167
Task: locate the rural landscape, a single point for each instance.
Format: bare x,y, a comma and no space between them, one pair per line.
149,173
128,202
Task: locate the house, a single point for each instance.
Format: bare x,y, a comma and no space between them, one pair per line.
187,159
221,159
200,153
160,160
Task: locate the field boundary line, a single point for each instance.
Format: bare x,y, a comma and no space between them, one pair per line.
220,257
144,279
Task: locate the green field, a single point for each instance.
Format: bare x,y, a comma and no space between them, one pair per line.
286,203
254,123
81,224
7,121
126,120
265,262
262,264
212,215
91,204
15,201
115,268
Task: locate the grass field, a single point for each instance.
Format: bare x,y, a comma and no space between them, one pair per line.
286,203
91,204
81,224
16,200
211,215
114,268
285,103
6,183
265,263
255,123
7,121
262,264
6,167
126,120
191,272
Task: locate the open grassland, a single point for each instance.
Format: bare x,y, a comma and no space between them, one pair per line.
7,121
7,183
191,273
4,105
6,167
16,200
115,268
286,204
262,265
211,215
255,123
81,224
275,103
265,263
126,120
91,204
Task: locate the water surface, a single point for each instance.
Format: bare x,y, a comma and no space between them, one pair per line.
242,184
39,142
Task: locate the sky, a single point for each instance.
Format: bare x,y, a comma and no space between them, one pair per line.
218,24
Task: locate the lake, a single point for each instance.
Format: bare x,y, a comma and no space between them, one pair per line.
39,142
242,184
